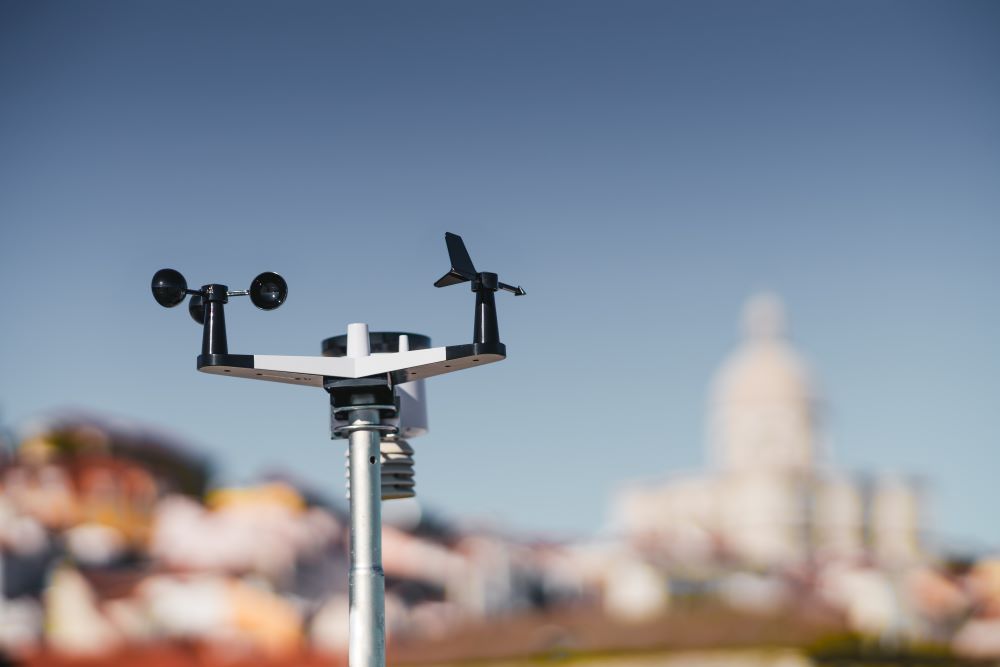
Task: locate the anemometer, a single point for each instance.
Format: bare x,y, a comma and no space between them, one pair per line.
375,384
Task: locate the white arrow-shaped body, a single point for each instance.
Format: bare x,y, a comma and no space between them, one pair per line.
310,371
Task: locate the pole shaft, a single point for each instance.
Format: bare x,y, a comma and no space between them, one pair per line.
367,581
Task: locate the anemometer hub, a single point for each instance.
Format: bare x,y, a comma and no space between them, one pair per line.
375,384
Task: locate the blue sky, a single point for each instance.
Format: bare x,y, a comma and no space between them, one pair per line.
639,167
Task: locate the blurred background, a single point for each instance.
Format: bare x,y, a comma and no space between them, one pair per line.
749,412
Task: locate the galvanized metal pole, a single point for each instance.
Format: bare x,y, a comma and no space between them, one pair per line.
367,631
367,580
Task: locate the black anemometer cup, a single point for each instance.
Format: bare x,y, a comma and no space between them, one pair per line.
196,307
268,291
169,287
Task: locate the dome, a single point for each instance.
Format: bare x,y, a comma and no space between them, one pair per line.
765,368
761,409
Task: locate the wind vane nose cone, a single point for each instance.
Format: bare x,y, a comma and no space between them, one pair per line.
516,291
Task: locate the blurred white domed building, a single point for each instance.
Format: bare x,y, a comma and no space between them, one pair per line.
769,499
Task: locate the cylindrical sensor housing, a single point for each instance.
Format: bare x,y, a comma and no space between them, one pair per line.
412,397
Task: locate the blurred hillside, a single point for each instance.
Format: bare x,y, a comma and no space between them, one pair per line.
117,548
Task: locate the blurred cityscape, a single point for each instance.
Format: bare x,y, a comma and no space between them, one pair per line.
117,548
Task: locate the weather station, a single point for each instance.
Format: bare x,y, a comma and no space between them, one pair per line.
377,402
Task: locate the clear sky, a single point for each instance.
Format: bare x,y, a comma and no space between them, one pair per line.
639,167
